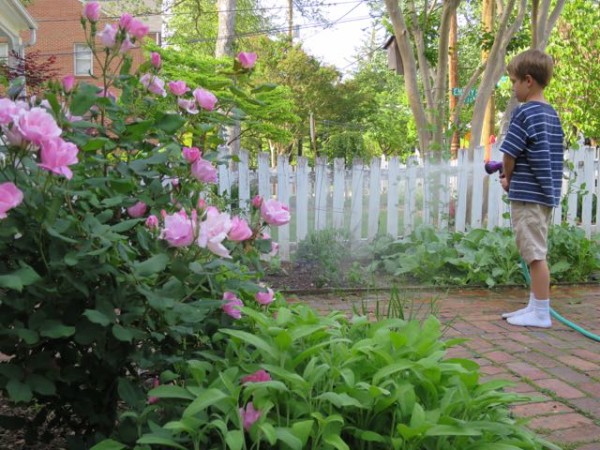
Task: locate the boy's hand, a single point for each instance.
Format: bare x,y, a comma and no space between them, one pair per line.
504,182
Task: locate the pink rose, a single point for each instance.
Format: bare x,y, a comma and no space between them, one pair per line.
191,154
178,87
274,248
68,83
257,201
155,383
179,229
204,171
240,231
232,305
213,231
138,29
125,21
247,59
205,99
260,376
201,203
275,213
188,105
36,125
108,36
126,45
152,222
264,298
154,84
249,415
57,155
10,197
155,59
91,11
137,210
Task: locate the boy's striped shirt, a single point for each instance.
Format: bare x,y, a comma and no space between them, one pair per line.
535,139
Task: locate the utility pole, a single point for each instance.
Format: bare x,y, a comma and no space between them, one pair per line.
453,80
291,20
489,119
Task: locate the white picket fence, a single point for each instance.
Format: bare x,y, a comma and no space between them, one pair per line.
388,197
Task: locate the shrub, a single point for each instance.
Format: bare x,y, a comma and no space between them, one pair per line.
296,380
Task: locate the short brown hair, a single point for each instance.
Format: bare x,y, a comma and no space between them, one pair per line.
537,64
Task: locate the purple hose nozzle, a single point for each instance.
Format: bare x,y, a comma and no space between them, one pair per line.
493,167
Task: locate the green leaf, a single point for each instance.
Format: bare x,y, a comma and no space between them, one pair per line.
109,444
286,436
11,282
234,439
156,264
137,130
252,340
41,384
121,333
203,401
18,391
452,430
19,278
85,97
130,393
97,317
340,400
126,225
171,391
170,123
29,336
55,329
159,440
266,87
336,441
302,430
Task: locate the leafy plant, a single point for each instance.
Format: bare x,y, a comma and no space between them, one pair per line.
297,380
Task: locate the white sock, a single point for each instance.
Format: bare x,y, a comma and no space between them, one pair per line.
518,312
539,317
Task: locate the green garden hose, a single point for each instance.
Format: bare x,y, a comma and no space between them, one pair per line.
556,315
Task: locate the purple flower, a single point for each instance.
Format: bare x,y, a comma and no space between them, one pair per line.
178,87
249,416
155,59
232,305
137,210
260,376
91,11
264,298
247,59
205,99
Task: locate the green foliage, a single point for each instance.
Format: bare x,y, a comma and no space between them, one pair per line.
334,382
482,257
347,145
322,254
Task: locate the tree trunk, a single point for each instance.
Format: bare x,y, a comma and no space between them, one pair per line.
453,81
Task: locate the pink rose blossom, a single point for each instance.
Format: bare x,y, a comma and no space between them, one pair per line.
201,203
152,222
204,171
155,59
68,83
232,305
8,110
275,213
249,415
108,36
191,154
179,229
264,298
247,59
37,125
178,87
188,105
126,45
274,248
213,231
57,155
205,99
240,231
125,21
154,84
260,376
91,11
138,29
10,197
257,201
155,383
137,210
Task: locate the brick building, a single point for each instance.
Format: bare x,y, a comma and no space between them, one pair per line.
60,33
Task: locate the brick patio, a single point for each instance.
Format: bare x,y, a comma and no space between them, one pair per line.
559,366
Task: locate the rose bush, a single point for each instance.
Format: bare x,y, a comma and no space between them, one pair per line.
115,251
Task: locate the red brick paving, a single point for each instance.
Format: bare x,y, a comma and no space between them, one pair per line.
559,366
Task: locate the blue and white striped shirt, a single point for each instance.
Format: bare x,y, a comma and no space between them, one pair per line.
535,139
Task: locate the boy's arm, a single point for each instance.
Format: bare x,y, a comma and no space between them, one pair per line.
508,166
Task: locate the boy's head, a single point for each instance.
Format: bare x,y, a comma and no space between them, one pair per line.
535,63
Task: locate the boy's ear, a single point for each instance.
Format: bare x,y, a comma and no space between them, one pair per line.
528,79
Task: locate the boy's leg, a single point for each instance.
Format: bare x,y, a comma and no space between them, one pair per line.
539,315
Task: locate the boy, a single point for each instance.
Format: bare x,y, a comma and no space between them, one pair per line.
533,168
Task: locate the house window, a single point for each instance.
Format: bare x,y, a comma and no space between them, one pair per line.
83,60
3,52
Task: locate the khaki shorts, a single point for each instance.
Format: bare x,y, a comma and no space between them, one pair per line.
530,223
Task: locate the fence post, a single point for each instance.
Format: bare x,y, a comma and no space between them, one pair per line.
588,178
357,199
283,195
374,198
392,198
321,191
339,190
410,195
244,181
461,201
302,186
477,188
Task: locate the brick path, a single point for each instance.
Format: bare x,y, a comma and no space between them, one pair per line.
559,365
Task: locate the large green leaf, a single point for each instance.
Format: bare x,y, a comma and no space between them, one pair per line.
85,97
170,123
18,391
153,265
234,439
20,278
159,440
203,401
109,444
55,329
171,391
97,317
253,340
